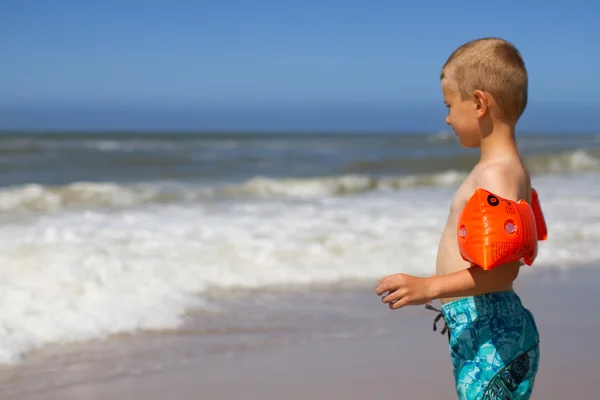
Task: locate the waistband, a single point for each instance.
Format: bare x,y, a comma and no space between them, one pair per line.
467,309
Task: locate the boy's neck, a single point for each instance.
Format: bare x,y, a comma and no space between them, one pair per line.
499,143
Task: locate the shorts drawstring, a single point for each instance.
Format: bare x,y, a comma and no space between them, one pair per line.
437,318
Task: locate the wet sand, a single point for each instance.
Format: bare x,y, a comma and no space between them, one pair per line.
367,352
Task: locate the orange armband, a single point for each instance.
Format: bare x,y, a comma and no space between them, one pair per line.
493,231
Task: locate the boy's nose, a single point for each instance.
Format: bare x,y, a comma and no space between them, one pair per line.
447,120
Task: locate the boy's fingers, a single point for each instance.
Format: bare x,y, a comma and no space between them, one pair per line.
393,296
381,288
399,304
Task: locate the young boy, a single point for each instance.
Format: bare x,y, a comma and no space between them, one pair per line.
494,342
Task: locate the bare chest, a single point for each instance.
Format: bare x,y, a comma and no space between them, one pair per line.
462,195
448,256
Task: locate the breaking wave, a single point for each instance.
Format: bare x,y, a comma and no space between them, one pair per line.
90,195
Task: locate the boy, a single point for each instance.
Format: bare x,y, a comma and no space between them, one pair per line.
494,342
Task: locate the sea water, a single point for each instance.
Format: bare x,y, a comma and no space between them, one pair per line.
112,233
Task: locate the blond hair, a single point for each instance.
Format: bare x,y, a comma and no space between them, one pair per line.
492,65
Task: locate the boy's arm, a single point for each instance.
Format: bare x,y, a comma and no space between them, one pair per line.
473,281
501,181
405,290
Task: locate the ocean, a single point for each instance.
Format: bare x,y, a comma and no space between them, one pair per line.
112,233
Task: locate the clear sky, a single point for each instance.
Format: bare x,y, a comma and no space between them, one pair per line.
312,64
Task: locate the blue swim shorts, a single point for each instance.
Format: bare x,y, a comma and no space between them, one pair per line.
494,346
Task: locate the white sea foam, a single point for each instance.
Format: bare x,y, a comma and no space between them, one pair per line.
573,161
129,146
76,275
90,195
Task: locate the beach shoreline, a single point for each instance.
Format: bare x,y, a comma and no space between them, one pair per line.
369,352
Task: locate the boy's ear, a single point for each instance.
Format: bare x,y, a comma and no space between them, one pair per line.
480,102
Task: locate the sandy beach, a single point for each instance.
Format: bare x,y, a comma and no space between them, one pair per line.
324,343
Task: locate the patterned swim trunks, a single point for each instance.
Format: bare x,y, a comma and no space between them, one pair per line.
494,346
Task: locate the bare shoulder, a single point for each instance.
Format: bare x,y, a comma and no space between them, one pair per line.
509,180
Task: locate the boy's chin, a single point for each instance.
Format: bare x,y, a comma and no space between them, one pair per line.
470,145
467,142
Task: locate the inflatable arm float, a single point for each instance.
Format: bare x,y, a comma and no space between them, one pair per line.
493,231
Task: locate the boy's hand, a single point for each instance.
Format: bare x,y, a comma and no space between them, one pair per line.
405,290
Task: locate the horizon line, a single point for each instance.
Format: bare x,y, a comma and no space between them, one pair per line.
269,131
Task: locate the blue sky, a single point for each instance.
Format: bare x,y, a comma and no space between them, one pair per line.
279,64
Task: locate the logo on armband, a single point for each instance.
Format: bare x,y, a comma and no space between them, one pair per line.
493,200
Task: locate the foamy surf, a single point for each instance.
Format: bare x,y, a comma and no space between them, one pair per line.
574,161
91,195
84,274
94,195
